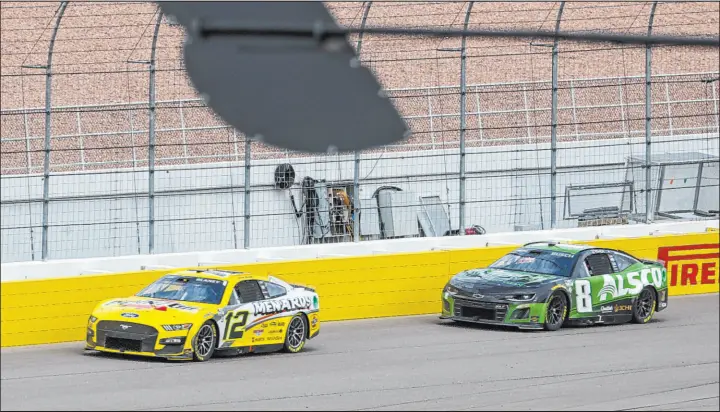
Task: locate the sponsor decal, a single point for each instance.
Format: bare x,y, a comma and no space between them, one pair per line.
561,254
258,332
534,319
264,325
258,339
273,323
215,281
269,307
623,308
125,327
500,306
573,246
605,309
614,285
478,296
129,315
691,265
502,278
275,331
274,338
151,304
314,321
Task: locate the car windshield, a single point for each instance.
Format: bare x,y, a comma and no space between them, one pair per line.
546,262
186,289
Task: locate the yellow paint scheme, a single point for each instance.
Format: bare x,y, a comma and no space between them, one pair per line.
258,331
57,310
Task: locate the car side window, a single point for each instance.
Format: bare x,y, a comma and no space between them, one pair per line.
599,264
234,299
249,291
623,261
273,290
580,271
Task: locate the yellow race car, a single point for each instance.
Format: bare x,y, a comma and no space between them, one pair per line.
191,314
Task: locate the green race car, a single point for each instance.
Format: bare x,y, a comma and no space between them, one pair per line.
545,285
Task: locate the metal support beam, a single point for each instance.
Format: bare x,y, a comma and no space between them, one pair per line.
151,138
48,112
463,102
356,168
554,116
648,120
246,195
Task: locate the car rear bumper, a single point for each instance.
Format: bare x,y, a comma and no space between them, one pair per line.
662,300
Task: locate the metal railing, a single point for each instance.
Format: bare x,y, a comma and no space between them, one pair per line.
168,175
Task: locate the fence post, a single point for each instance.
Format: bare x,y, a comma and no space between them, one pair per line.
356,167
463,100
48,111
151,139
246,195
553,129
648,117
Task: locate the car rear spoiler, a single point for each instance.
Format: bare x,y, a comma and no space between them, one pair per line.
303,287
653,262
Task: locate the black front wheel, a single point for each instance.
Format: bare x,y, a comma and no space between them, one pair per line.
644,307
204,342
556,312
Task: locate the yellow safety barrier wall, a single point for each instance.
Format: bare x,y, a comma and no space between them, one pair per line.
56,310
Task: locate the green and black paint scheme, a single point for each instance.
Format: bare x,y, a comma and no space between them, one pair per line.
545,285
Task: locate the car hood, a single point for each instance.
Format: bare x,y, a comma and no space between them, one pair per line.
149,310
499,280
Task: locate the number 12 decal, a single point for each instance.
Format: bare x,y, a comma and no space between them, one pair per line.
233,330
583,299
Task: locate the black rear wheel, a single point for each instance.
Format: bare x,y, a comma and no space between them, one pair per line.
296,334
644,306
555,312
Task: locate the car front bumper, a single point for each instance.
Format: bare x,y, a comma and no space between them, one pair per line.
144,340
493,312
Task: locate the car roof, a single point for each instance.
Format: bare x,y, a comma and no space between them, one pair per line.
218,274
554,246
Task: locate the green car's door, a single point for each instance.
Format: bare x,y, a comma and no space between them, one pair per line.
589,282
607,281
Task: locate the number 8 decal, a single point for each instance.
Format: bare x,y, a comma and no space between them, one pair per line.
583,299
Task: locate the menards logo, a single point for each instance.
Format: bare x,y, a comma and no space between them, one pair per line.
689,265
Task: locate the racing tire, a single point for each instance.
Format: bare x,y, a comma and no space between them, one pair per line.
644,306
296,334
555,312
204,342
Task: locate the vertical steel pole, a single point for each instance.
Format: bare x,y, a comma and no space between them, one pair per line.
246,195
48,111
356,167
463,101
648,117
553,129
151,139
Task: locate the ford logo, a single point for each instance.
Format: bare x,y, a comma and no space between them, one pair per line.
129,315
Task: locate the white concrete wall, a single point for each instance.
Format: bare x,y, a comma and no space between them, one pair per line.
75,267
506,186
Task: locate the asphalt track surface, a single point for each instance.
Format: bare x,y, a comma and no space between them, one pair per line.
408,363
